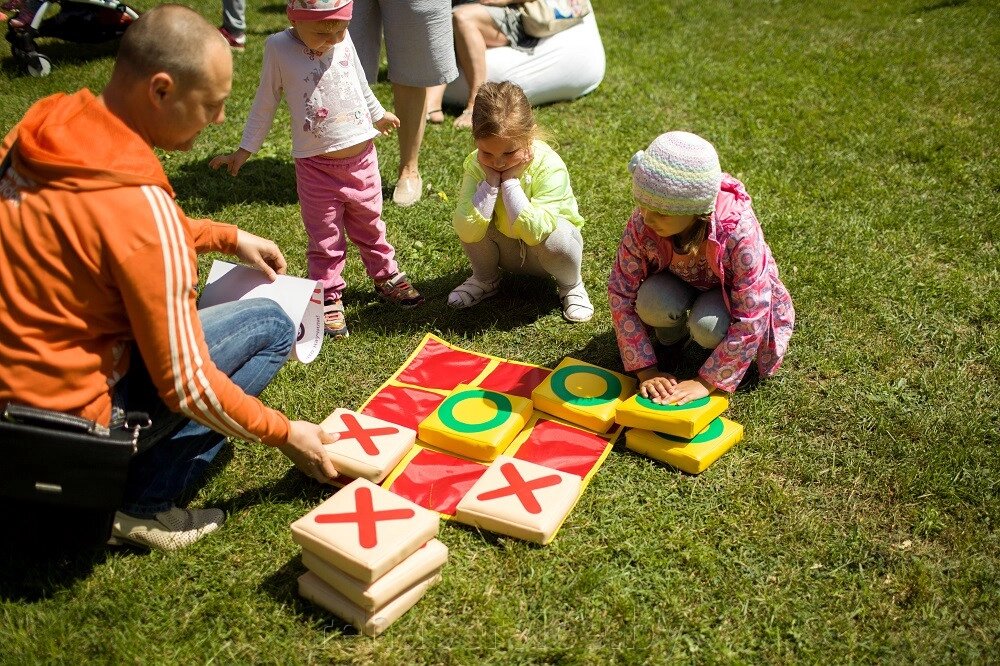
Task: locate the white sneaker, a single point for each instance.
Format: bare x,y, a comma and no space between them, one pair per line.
576,305
167,530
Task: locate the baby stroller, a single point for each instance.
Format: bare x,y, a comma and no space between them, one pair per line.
80,21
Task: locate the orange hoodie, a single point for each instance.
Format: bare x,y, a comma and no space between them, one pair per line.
95,254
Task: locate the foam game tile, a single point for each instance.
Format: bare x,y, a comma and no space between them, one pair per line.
679,420
689,455
520,499
433,479
427,561
583,394
475,423
365,530
368,622
368,447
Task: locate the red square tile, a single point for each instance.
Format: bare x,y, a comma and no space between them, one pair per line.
437,481
562,447
441,367
402,405
515,379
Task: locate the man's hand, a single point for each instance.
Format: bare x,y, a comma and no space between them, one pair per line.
387,123
233,161
260,253
305,449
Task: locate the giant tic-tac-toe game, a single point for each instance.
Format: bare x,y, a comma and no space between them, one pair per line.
485,453
503,446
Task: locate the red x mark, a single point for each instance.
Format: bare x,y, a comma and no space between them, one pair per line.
366,517
363,435
523,489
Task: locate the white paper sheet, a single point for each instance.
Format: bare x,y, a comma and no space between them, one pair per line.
301,299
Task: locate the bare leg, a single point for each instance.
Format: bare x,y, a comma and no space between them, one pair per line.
475,32
410,102
435,100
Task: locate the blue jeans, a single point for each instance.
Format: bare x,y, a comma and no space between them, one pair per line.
249,341
674,309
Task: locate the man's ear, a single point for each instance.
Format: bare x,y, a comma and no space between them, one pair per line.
161,86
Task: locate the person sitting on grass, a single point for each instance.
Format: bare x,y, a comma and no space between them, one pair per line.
335,116
693,264
97,287
516,209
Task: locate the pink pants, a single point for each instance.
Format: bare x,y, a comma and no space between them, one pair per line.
339,196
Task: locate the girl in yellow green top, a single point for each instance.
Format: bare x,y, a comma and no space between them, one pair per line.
516,210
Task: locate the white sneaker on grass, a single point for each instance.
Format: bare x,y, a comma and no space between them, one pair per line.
167,530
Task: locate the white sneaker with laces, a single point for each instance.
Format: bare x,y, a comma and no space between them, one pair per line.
167,530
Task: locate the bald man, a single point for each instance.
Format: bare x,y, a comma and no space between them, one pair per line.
98,269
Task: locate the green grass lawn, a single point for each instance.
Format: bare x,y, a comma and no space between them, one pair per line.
858,519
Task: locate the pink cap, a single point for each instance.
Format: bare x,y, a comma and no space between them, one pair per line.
319,10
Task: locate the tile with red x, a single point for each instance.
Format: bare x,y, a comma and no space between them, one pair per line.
521,499
367,447
365,530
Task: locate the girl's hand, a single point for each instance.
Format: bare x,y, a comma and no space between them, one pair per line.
387,123
233,161
688,390
517,169
492,175
656,386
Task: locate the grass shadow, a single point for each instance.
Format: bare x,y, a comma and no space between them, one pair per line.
283,586
520,301
265,180
61,52
290,488
943,4
48,549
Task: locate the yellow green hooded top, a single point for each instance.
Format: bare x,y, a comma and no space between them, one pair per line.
545,183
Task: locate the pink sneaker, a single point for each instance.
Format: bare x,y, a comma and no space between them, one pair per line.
236,42
23,19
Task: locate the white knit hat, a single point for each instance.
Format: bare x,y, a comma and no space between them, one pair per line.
679,174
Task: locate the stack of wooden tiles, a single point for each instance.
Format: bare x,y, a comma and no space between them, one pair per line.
689,437
371,555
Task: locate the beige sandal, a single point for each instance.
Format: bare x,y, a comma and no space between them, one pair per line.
576,305
464,119
472,292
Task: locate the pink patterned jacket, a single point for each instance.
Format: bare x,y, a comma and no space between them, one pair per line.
760,307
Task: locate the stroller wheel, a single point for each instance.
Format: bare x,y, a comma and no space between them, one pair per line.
38,64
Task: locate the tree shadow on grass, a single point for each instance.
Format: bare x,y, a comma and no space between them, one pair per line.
263,180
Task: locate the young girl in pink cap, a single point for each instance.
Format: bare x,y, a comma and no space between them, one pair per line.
693,263
335,116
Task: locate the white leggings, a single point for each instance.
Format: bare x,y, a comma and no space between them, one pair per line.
664,302
559,255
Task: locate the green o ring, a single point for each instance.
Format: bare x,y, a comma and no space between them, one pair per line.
446,412
560,376
649,404
713,430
